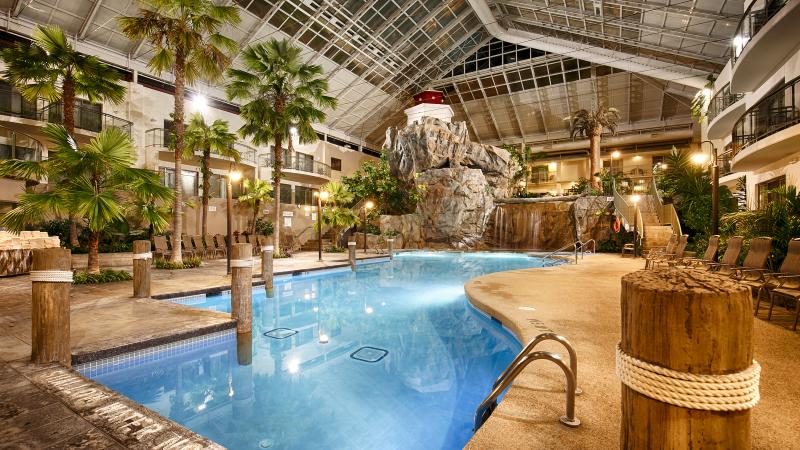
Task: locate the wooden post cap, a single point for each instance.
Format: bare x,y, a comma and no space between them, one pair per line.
51,259
141,246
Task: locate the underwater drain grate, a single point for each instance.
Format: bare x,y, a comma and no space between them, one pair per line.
369,354
280,333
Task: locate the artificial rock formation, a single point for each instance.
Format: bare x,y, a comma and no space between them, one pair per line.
15,250
461,178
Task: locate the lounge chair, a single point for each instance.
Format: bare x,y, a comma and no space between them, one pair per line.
186,246
730,256
671,258
161,249
220,244
211,247
754,265
708,256
660,251
198,247
785,283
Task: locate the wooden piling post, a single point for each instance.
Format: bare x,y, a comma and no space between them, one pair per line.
142,262
351,251
51,280
687,321
267,268
390,247
242,287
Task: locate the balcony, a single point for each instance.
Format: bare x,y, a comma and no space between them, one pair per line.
764,40
769,131
158,139
723,111
20,146
301,167
87,117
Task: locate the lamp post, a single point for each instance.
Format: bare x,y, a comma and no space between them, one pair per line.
635,199
368,205
233,176
699,158
321,195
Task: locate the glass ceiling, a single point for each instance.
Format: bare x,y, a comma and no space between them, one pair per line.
378,53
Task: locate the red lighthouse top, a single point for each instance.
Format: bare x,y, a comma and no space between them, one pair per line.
432,97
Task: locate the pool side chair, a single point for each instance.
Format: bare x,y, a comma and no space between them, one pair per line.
220,244
730,256
754,265
708,257
785,282
658,253
671,258
198,247
161,250
211,248
186,246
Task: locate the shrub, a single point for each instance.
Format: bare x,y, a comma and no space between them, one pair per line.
264,226
391,233
333,249
188,263
104,276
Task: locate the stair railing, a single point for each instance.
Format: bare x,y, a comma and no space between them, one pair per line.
666,212
630,215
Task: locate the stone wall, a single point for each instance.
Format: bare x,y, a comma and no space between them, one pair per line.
15,250
592,218
408,225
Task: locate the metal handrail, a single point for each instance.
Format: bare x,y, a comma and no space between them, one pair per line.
764,119
301,165
85,118
754,21
26,149
574,245
158,137
573,357
486,407
594,246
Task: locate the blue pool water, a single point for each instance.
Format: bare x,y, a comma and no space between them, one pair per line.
298,393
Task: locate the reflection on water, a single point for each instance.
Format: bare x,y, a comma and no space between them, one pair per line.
299,393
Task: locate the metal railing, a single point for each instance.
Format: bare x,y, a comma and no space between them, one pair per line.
721,101
525,357
160,138
86,118
724,160
666,212
574,246
12,103
20,146
753,20
294,162
775,112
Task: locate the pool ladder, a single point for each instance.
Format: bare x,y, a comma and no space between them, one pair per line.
577,246
525,357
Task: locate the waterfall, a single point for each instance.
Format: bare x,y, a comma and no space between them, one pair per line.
541,225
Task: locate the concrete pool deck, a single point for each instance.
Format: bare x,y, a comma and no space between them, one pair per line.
582,303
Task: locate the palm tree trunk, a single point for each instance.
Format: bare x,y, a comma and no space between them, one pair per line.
177,209
93,265
256,206
276,188
68,107
206,187
594,147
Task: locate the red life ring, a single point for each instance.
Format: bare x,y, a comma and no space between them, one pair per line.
617,225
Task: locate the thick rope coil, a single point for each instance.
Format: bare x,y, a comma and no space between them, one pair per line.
148,255
240,263
52,276
731,392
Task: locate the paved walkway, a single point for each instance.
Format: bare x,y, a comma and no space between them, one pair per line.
582,302
52,407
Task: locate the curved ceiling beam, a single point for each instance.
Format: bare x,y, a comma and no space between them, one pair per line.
619,60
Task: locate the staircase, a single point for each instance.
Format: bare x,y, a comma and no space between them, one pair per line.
312,246
656,234
658,220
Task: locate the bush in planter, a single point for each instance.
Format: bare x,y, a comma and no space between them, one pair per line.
104,276
334,249
188,263
264,226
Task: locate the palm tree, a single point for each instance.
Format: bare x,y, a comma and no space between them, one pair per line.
282,93
590,124
256,192
208,139
51,69
99,184
187,43
335,214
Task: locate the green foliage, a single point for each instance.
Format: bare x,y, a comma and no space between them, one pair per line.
779,220
701,99
188,263
97,183
391,233
334,249
264,226
373,229
373,180
49,65
585,123
522,159
688,185
256,192
104,276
